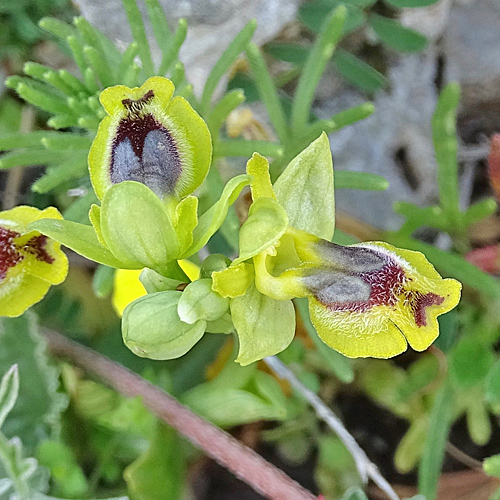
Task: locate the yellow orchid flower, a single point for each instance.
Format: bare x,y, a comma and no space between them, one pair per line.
151,137
365,300
29,261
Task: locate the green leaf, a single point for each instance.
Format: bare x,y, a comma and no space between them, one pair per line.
313,14
213,218
435,443
199,302
267,222
21,477
402,4
358,72
152,328
355,494
491,465
470,361
9,390
320,54
289,52
103,281
235,48
396,36
139,33
80,238
264,326
346,179
36,413
159,473
171,51
335,361
305,190
136,227
480,210
410,448
492,386
267,91
444,134
238,395
68,477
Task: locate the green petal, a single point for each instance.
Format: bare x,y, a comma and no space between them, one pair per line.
136,227
264,326
82,239
152,328
305,190
186,219
266,224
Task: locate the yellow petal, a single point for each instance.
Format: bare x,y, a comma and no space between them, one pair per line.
233,281
358,334
127,288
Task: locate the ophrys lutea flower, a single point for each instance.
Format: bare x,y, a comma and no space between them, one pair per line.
29,261
369,299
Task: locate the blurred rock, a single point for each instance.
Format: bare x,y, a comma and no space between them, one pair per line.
471,45
395,142
212,26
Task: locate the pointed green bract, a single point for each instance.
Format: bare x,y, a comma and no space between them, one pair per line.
152,328
135,226
305,190
265,326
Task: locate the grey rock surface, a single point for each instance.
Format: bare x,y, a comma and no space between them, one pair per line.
212,26
395,142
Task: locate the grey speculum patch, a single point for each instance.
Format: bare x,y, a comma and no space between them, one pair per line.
334,287
144,151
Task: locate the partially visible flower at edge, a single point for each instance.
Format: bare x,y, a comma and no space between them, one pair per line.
365,300
29,261
127,286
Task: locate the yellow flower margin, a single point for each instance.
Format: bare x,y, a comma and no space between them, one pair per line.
29,262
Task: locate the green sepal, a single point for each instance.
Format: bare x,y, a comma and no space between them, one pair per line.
264,326
154,282
213,218
305,190
151,327
136,227
199,302
82,239
266,224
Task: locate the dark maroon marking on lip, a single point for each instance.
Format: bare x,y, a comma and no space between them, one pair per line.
138,103
134,130
36,246
419,302
9,253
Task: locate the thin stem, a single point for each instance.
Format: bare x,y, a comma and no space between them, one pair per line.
366,468
243,462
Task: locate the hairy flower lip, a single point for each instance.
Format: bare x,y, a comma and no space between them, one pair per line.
152,137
